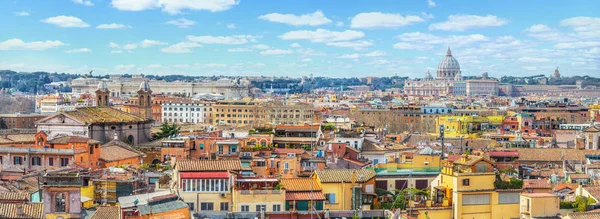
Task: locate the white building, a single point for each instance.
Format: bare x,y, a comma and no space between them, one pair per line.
185,112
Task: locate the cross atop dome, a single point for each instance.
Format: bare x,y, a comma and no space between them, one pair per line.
448,53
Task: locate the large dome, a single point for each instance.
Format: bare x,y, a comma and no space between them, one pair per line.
449,67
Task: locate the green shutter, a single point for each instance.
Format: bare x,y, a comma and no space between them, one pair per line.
319,205
302,205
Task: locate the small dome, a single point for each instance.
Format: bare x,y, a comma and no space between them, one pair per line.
102,85
484,75
145,86
458,77
428,76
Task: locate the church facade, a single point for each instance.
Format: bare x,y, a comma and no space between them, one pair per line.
102,122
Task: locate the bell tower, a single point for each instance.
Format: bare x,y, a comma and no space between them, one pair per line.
102,94
145,100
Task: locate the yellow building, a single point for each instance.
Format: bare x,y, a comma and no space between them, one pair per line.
466,188
346,189
256,194
539,205
465,126
238,113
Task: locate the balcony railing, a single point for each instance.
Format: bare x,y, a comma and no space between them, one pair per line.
259,192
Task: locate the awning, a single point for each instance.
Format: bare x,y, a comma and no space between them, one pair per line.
204,175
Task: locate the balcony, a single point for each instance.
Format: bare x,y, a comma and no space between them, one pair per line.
227,154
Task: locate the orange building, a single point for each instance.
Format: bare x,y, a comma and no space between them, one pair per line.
167,206
86,150
116,153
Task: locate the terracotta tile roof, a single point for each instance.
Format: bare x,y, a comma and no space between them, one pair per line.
471,160
504,154
536,184
300,184
538,195
579,176
297,128
593,190
30,210
288,150
552,154
208,165
591,129
342,175
584,215
102,115
295,196
73,139
107,212
564,186
17,138
113,151
14,196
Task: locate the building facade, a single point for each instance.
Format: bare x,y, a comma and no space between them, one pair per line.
186,112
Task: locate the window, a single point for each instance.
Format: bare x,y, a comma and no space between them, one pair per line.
64,162
190,205
465,182
508,198
479,199
1,160
51,161
245,208
260,208
481,168
224,206
201,146
276,207
59,202
207,206
17,160
330,198
36,161
286,166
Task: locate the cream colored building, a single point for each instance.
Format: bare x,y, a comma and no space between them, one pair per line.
125,87
482,87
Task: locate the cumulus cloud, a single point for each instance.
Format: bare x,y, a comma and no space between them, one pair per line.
276,52
182,23
239,50
113,26
182,47
378,20
261,46
533,59
411,46
295,45
22,13
231,26
538,28
462,22
80,50
352,44
229,40
66,21
577,45
150,43
114,45
314,19
84,2
18,44
174,6
358,55
431,3
130,46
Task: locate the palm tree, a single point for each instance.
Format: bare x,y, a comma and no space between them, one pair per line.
167,130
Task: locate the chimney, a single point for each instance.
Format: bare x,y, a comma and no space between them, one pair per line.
20,210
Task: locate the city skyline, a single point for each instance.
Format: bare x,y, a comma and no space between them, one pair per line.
333,39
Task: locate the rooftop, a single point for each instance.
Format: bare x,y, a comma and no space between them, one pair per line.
30,210
102,115
345,175
208,165
107,212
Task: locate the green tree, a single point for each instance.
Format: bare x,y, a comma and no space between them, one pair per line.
167,130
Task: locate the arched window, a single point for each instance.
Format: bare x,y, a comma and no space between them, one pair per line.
36,161
60,202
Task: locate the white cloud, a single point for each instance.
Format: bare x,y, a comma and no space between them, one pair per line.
182,23
339,24
427,16
116,51
537,28
375,54
306,60
322,35
533,59
84,2
577,45
150,43
315,19
174,6
261,46
378,20
112,26
354,44
309,52
113,45
18,44
183,47
231,26
379,62
350,56
431,3
22,13
582,23
411,46
66,21
425,38
461,22
80,50
239,50
295,45
229,40
130,46
276,52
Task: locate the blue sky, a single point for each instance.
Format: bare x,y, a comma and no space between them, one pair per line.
297,38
